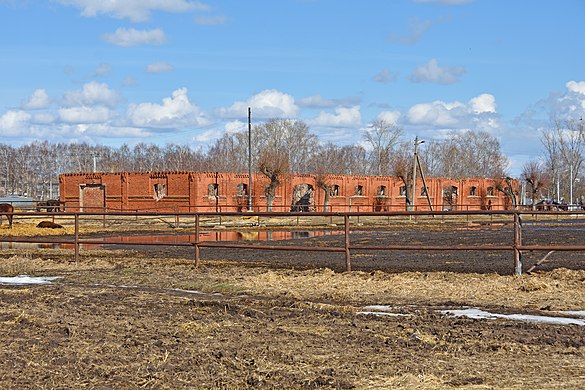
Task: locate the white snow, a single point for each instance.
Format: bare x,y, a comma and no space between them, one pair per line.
25,279
381,313
476,313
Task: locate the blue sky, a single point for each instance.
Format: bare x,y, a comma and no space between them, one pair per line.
184,71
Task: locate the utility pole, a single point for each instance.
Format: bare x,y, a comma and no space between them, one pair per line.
250,159
414,164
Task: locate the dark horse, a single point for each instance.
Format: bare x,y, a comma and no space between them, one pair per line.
6,209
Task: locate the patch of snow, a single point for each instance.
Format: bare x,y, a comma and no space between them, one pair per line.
476,313
25,279
381,310
576,313
382,313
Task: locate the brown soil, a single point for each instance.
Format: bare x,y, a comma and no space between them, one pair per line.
148,318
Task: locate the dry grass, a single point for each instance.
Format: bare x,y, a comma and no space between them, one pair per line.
293,329
560,289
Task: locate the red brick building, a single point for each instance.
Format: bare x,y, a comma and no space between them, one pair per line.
186,191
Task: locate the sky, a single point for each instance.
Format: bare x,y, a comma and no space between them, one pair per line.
185,72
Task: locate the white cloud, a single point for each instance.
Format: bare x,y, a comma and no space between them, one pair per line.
174,112
390,116
134,10
159,67
343,117
569,104
235,127
431,72
106,130
269,103
14,122
483,103
417,29
129,81
38,100
385,76
43,118
103,70
92,93
478,113
577,87
127,37
317,101
207,136
84,114
437,113
210,20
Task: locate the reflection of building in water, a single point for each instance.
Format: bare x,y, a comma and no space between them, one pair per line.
215,191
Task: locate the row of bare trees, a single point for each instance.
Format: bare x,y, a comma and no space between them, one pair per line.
279,146
558,173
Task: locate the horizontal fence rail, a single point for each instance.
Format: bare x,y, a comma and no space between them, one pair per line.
350,223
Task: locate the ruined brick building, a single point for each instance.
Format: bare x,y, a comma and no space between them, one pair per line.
186,191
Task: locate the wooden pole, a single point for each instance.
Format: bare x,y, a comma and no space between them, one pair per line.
517,244
196,243
347,254
76,237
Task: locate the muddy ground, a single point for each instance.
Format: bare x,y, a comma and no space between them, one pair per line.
145,317
555,232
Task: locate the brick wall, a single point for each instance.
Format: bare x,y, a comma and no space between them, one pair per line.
187,191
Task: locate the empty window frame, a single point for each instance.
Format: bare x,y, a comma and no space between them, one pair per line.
160,191
334,190
242,189
213,189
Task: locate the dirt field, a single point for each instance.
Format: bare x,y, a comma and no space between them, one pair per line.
146,318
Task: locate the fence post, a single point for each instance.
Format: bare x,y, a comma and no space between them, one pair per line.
347,254
517,244
196,243
76,237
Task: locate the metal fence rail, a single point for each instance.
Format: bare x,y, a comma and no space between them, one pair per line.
350,222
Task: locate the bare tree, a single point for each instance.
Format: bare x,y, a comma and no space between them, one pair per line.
274,165
402,165
536,175
470,154
564,146
323,182
382,137
504,185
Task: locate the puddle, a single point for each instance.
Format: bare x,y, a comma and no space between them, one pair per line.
381,310
568,317
218,236
479,314
25,280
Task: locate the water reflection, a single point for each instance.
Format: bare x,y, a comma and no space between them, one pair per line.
217,236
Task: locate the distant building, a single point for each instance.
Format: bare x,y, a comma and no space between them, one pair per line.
186,191
18,201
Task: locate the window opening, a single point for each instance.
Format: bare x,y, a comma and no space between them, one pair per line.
160,190
213,189
335,190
